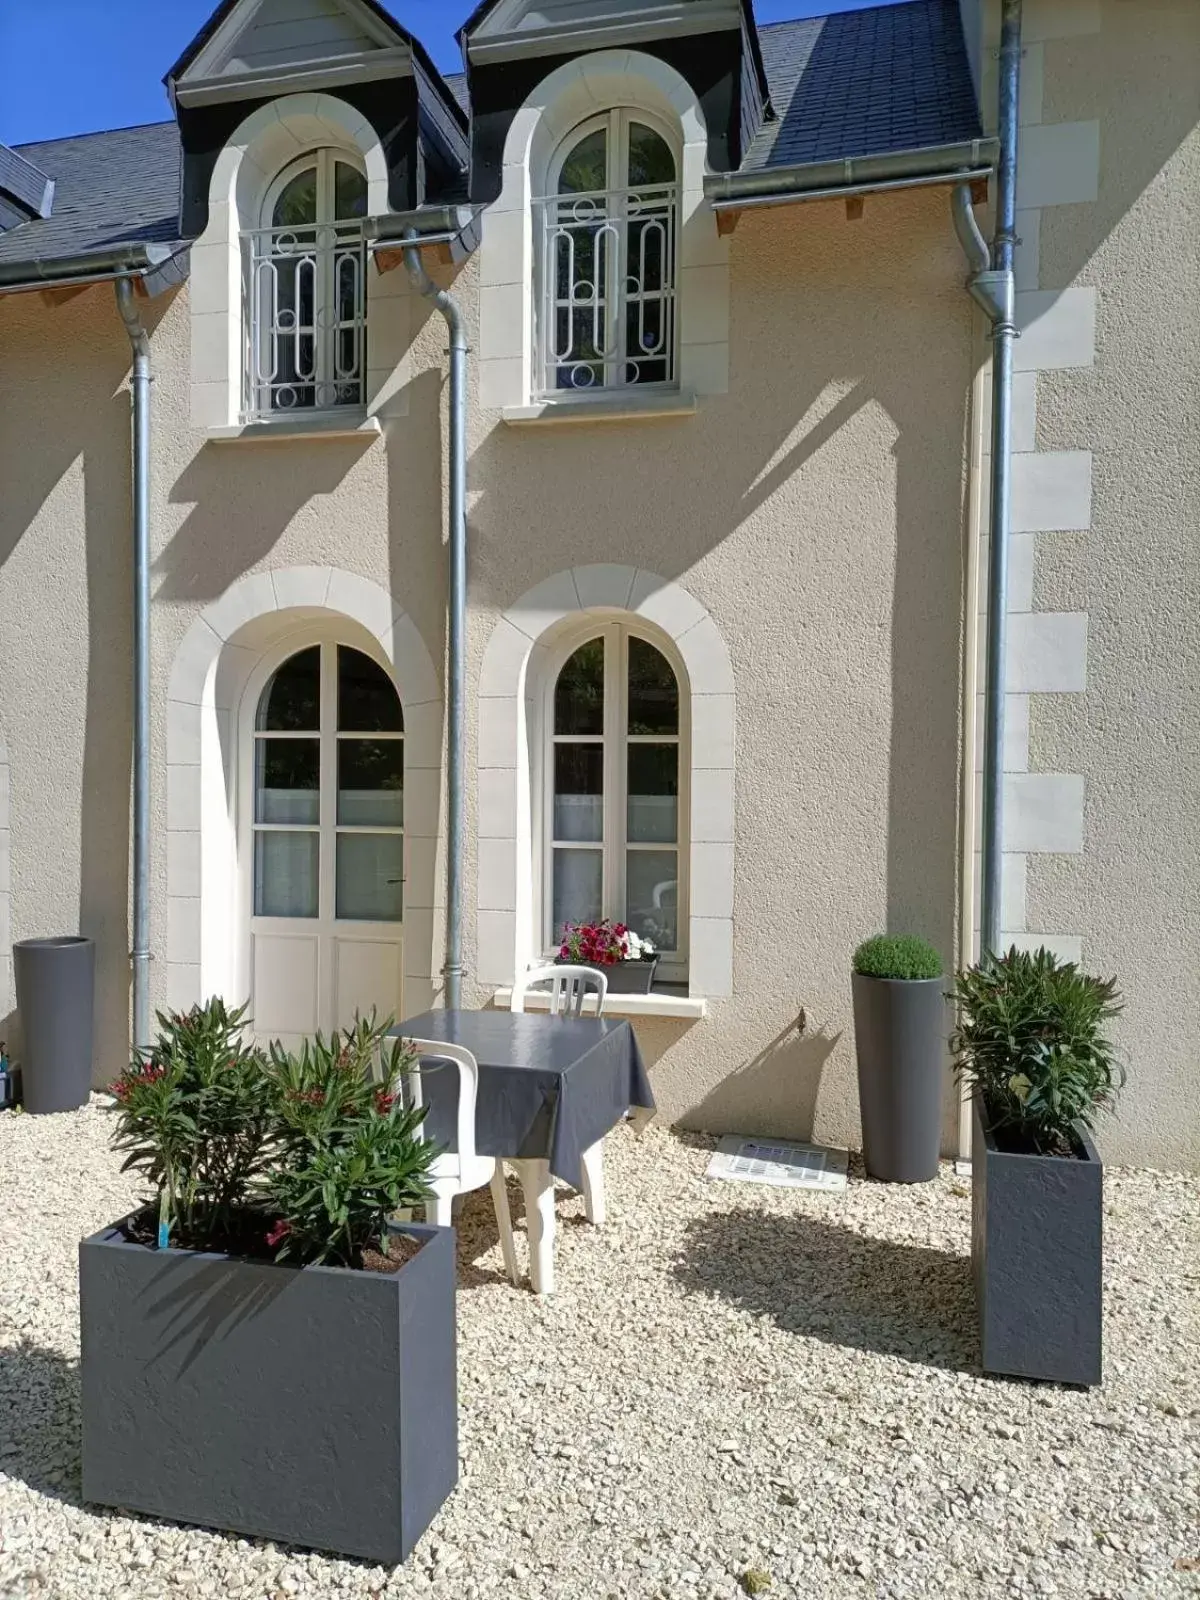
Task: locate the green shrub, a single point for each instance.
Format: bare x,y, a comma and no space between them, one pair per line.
1031,1042
349,1153
302,1156
897,955
194,1118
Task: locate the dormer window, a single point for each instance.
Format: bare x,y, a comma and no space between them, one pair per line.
306,321
607,232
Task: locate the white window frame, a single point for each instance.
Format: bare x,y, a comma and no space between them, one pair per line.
619,204
336,247
327,827
616,739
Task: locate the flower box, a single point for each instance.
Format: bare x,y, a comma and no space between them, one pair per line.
631,977
314,1406
1037,1251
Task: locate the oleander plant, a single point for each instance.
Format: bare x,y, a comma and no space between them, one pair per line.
294,1156
1032,1043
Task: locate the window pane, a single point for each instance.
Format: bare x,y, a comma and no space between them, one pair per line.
579,692
371,783
370,877
349,192
291,701
650,158
578,876
287,780
297,202
586,168
653,691
579,793
652,892
653,803
285,874
367,698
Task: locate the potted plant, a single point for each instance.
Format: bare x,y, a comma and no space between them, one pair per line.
900,1032
1031,1043
628,961
262,1350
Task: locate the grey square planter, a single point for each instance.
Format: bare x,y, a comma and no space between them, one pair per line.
313,1406
1037,1250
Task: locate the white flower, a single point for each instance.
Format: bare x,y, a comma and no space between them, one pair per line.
634,947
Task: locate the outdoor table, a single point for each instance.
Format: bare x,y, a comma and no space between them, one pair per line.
549,1089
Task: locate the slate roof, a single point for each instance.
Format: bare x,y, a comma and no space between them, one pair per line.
864,83
111,188
853,84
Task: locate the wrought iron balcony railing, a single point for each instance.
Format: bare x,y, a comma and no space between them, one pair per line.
305,318
607,289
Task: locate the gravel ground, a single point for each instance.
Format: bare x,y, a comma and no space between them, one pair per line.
730,1380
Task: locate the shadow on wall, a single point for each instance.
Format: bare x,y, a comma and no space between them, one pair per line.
243,497
91,392
775,1093
813,1277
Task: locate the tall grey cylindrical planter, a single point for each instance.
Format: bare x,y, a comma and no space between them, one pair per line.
56,987
900,1031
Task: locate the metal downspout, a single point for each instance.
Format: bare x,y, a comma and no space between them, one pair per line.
993,287
456,618
127,305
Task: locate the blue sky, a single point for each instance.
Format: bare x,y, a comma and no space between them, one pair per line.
72,66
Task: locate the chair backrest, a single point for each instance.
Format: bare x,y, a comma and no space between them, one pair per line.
409,1084
569,986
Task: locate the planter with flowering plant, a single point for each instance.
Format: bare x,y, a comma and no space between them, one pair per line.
628,961
263,1350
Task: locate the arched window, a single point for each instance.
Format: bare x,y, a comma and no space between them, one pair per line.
615,794
607,253
328,814
307,289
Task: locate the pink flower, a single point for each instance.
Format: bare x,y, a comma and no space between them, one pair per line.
384,1101
278,1233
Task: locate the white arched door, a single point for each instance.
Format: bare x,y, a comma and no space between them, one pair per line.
324,802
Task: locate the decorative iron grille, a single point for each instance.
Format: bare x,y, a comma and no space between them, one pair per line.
607,295
306,324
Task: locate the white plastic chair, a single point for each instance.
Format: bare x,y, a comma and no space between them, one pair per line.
460,1171
569,988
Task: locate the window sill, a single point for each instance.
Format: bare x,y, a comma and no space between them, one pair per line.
355,425
603,408
688,1007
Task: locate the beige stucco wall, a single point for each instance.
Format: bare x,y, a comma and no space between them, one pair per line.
815,511
1135,733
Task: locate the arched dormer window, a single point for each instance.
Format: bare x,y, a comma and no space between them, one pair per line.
306,290
607,277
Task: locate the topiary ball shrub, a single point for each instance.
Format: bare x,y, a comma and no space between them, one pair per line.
897,955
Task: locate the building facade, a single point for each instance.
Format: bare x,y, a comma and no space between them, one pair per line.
727,423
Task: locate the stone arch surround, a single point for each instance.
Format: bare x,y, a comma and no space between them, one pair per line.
212,666
513,671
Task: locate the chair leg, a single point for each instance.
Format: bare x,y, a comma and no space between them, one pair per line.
504,1222
440,1210
593,1183
539,1217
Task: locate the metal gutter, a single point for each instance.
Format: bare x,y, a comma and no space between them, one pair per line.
456,616
140,383
879,186
992,284
93,266
966,160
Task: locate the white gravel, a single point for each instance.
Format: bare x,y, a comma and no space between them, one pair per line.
728,1379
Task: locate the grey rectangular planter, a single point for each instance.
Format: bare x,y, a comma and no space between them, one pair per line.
1037,1250
313,1406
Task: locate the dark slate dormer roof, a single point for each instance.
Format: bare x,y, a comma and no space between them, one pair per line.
863,83
858,83
118,187
25,191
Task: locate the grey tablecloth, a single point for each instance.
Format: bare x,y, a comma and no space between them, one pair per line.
549,1087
